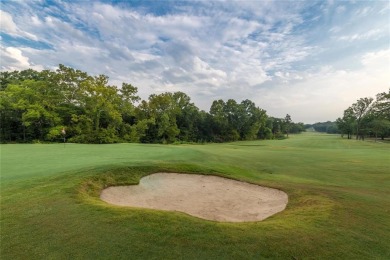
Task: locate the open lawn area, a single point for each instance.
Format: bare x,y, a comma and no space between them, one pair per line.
339,201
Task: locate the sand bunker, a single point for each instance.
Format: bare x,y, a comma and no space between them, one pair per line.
207,197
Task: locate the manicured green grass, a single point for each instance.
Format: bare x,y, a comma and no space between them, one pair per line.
339,201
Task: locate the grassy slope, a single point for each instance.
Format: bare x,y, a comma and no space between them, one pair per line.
338,191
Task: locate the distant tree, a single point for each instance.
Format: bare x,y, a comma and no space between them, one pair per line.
232,114
381,106
380,127
163,109
297,128
366,117
325,127
187,117
346,123
287,123
360,110
219,121
253,119
277,127
380,115
332,128
204,123
265,131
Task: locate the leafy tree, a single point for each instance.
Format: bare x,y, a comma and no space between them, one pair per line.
346,123
366,117
38,105
381,107
219,121
287,123
297,128
265,131
360,110
33,104
380,114
163,110
380,127
277,127
325,127
204,125
254,119
187,117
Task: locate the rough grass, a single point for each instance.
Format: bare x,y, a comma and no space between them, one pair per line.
338,189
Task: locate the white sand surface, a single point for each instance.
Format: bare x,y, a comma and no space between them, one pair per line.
203,196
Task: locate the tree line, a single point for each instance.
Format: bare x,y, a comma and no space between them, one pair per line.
367,117
48,106
324,127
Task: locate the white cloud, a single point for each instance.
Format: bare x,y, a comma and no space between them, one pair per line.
7,23
267,51
379,59
36,21
335,29
8,26
363,11
323,94
203,69
13,59
371,35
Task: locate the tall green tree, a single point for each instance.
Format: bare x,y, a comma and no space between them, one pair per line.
360,110
287,123
347,122
253,119
102,106
163,110
219,121
380,127
187,117
381,106
33,103
380,115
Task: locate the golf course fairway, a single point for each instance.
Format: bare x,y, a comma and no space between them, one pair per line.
338,201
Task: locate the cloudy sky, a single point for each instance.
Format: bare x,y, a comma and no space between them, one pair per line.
311,59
